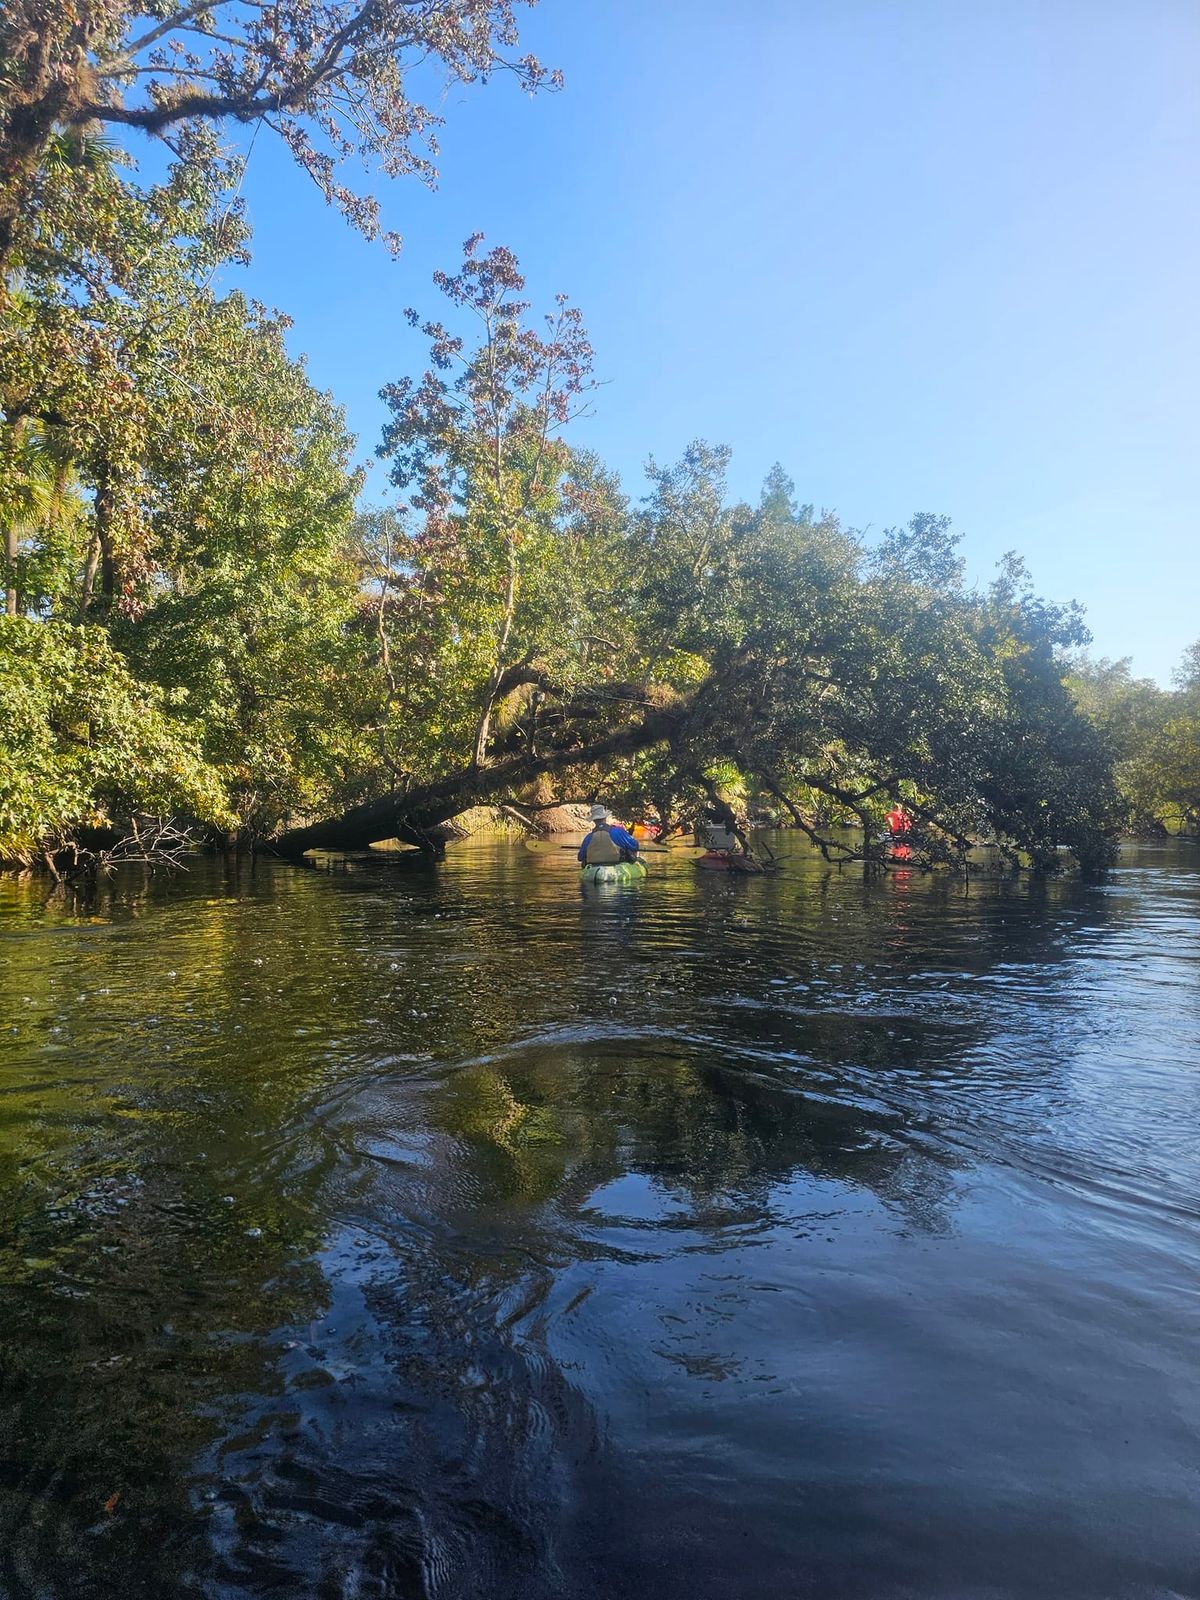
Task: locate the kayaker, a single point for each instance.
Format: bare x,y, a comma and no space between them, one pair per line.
608,841
899,822
900,827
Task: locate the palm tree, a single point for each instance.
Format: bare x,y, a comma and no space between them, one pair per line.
39,489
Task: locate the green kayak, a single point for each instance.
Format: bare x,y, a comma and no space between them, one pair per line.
617,872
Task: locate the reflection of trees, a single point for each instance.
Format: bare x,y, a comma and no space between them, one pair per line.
723,1133
725,1103
142,1262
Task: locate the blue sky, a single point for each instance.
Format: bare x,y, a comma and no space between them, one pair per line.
929,256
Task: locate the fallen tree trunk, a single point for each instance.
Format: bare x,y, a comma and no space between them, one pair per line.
411,816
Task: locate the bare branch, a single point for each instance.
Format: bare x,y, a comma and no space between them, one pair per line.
168,25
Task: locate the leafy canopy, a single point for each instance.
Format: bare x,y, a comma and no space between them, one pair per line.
530,624
333,79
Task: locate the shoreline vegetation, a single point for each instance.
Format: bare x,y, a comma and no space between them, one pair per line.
210,641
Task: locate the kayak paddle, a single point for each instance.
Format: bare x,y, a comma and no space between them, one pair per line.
539,846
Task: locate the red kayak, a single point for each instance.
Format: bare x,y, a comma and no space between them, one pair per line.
714,860
722,861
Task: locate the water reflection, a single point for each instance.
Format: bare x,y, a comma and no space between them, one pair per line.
400,1230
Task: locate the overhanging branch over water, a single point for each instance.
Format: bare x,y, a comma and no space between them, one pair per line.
410,816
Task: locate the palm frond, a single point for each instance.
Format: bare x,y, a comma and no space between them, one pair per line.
73,151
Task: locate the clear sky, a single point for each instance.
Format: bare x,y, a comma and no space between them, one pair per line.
930,256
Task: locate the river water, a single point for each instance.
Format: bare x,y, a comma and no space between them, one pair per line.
457,1231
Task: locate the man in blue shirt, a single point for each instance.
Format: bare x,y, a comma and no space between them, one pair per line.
608,841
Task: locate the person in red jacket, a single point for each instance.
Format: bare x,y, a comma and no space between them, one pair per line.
899,826
898,820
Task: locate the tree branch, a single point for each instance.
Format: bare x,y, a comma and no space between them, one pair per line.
152,35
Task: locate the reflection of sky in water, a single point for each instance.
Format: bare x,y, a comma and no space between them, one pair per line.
393,1231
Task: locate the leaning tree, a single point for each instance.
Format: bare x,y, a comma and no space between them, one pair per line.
538,636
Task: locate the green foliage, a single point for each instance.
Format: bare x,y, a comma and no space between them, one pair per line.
476,444
523,622
84,745
332,82
176,490
1153,736
245,608
863,676
177,483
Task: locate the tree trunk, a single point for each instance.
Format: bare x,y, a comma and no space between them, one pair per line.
411,817
45,77
89,577
12,537
483,730
103,509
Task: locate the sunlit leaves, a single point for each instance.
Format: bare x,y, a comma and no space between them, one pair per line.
335,81
84,745
1153,735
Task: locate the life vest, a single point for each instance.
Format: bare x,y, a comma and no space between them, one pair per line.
899,821
602,849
